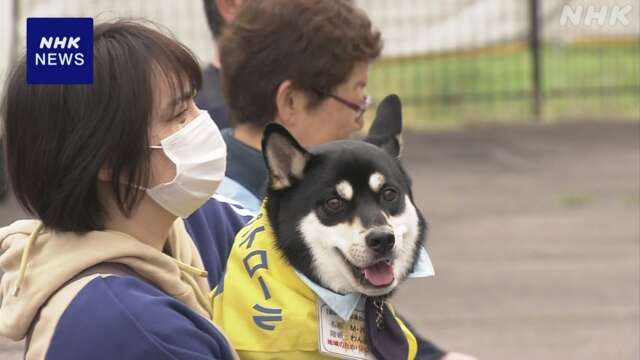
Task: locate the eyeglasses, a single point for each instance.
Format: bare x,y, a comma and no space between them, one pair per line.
359,109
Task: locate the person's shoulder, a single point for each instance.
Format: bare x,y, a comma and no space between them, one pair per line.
219,217
227,206
213,228
233,190
123,317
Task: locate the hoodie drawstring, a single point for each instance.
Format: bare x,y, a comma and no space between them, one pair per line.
190,269
25,259
201,297
185,269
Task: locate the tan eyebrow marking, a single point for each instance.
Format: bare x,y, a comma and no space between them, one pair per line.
376,181
345,190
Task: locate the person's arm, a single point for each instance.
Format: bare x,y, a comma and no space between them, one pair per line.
213,228
426,349
458,356
430,351
125,318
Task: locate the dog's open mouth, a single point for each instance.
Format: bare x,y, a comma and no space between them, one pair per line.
378,274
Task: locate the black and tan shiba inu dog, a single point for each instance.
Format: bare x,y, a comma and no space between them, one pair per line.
343,213
340,216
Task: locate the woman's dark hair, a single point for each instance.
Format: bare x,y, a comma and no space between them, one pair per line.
313,43
58,137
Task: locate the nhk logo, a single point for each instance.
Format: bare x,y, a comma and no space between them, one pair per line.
593,15
59,50
57,58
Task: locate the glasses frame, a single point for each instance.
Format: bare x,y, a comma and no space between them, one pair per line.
358,108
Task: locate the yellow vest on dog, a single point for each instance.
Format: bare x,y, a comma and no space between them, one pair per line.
263,306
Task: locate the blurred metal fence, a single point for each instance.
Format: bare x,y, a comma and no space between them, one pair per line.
450,61
506,60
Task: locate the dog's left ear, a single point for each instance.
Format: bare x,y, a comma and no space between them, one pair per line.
286,159
386,129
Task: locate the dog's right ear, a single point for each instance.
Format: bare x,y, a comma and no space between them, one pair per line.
286,159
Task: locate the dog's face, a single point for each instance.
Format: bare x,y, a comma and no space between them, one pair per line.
343,212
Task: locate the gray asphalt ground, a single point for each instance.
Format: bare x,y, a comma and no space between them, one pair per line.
534,237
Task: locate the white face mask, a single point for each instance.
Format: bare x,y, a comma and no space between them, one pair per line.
200,155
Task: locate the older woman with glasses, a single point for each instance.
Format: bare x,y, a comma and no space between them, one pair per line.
303,64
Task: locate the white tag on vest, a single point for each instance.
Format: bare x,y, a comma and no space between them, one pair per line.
342,339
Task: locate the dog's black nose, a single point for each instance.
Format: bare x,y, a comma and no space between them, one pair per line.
380,241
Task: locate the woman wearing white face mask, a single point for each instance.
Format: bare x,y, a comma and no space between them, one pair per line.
108,270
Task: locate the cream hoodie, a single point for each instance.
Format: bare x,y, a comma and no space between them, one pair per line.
51,262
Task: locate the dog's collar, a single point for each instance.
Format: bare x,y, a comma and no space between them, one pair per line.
423,266
343,305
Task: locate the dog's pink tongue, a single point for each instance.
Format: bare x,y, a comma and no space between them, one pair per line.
379,274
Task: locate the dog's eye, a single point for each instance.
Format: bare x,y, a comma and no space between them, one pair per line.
389,195
334,204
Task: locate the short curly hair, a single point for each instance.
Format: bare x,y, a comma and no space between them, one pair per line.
313,43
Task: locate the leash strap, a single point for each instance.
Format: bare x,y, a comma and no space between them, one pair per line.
385,337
